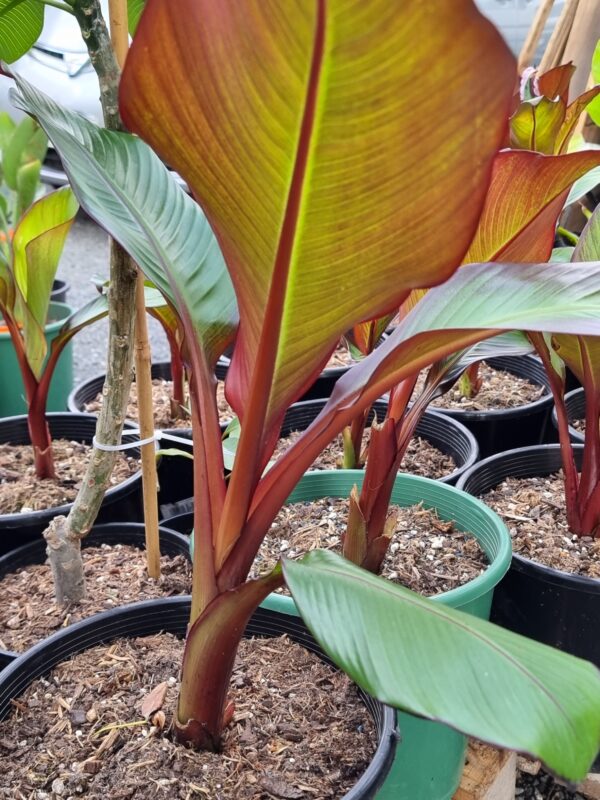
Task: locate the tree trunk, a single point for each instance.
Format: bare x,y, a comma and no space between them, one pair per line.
63,537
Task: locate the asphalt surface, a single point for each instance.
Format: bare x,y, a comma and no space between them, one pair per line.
85,258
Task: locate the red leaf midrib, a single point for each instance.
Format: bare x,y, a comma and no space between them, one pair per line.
254,435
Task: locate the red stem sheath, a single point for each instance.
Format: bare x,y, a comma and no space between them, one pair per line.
557,387
36,394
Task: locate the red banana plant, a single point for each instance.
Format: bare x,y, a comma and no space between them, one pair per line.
26,275
302,130
525,197
582,355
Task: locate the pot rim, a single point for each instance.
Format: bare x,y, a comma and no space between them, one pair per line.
425,490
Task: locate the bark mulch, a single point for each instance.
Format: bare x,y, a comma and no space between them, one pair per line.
162,391
22,491
98,727
499,389
534,512
115,575
426,554
421,457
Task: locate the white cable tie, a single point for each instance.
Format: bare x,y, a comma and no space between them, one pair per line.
158,435
112,448
177,439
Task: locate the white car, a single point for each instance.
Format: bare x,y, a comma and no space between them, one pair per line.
59,65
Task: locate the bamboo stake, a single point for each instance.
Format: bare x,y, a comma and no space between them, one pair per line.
533,37
583,36
556,46
143,360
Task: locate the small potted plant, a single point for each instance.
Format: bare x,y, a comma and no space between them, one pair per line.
27,269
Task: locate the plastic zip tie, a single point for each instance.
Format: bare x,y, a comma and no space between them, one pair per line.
156,437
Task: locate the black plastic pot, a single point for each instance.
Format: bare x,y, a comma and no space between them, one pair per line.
575,405
444,433
128,533
59,291
502,429
544,604
171,615
122,503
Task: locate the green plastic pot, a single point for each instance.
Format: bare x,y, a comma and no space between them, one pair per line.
12,392
430,758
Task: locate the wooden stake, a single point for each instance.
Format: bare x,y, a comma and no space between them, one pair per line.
143,359
533,37
581,42
556,46
489,774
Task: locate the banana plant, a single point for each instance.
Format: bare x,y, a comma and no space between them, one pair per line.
582,355
543,122
518,223
308,172
26,275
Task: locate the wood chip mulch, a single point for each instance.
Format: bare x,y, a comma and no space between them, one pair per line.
21,490
500,389
91,729
426,554
115,575
534,512
161,401
421,457
341,357
162,391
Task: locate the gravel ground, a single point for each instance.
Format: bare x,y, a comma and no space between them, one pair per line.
86,257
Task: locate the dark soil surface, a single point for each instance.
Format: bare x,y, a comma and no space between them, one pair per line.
535,784
115,575
21,490
426,554
299,730
499,390
421,457
534,512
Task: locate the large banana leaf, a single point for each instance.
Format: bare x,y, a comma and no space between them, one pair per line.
124,186
431,660
525,198
307,131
